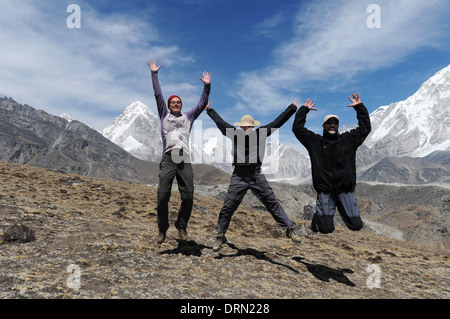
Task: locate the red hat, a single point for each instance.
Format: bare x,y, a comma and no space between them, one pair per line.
172,97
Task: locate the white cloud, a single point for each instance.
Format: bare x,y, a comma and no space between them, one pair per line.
268,26
331,43
85,72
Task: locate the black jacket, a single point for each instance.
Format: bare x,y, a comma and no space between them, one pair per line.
333,157
250,149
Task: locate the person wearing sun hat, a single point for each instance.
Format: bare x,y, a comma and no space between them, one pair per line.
330,116
175,162
333,165
247,121
248,153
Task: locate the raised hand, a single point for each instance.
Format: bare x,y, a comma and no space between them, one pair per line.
206,77
355,101
153,66
310,104
207,106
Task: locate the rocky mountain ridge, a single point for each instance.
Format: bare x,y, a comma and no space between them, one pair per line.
416,126
137,130
37,138
406,138
433,168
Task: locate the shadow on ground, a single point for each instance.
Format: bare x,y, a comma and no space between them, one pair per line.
325,273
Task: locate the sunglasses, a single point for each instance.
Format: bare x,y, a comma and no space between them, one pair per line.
332,121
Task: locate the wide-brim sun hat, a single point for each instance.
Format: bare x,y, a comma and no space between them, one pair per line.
247,120
329,116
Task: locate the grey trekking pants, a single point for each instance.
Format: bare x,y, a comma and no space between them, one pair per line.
323,219
168,170
243,179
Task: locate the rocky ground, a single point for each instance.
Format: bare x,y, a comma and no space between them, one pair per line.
94,238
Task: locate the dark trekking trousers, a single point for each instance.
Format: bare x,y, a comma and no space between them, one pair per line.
168,170
247,177
323,219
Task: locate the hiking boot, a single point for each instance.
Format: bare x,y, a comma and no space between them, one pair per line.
304,230
182,233
220,240
161,237
293,234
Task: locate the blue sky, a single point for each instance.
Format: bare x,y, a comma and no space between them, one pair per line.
262,55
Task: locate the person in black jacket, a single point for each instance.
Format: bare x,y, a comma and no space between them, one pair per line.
333,165
248,153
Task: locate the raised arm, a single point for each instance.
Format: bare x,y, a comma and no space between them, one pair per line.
160,102
354,99
221,124
309,104
364,126
281,119
206,79
153,66
198,109
298,127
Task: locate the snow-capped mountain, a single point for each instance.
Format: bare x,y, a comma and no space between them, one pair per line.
34,137
283,163
410,133
214,151
67,117
138,131
416,126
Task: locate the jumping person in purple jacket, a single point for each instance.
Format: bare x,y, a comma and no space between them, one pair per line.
175,162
